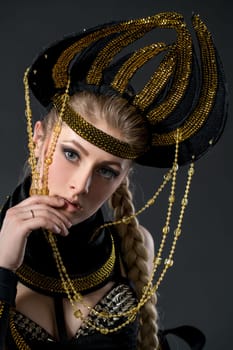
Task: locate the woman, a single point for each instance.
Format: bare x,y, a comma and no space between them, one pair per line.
83,283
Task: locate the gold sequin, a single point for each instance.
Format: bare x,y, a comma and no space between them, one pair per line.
2,306
52,284
90,133
197,118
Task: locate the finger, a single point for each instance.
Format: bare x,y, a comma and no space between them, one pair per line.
53,201
27,209
43,223
58,221
47,211
20,214
46,217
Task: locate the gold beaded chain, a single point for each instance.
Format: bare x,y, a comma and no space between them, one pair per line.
49,157
36,187
31,146
166,228
126,219
150,288
55,134
177,232
68,286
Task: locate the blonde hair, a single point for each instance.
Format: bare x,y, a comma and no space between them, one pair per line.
135,257
119,115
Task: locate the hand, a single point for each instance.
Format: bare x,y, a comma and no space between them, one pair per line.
33,213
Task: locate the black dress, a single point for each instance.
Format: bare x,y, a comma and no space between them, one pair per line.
23,333
91,264
83,258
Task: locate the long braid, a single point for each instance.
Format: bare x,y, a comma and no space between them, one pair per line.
135,257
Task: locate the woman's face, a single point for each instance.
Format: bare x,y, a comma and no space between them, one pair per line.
81,173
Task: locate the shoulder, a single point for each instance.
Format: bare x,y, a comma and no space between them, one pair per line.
149,245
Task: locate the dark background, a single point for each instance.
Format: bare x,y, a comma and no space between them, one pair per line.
198,289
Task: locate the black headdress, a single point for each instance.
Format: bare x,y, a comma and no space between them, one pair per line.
184,92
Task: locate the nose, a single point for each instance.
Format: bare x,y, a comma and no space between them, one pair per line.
80,182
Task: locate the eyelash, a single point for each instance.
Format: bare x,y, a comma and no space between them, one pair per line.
106,172
67,152
112,174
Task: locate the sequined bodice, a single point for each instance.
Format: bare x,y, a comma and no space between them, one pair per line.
120,298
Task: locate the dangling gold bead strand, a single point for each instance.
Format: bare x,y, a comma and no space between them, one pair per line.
177,231
126,219
171,200
49,157
56,132
31,147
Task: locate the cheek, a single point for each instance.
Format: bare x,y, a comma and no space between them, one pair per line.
101,191
58,170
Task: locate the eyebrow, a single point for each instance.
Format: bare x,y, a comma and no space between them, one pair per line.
77,144
86,153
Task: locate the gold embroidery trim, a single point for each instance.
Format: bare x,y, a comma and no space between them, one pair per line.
52,284
105,56
183,51
208,92
18,339
134,31
139,58
157,81
61,68
92,134
130,31
2,306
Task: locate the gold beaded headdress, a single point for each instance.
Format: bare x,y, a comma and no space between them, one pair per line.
183,102
182,91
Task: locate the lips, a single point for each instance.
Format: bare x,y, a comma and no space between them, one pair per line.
72,206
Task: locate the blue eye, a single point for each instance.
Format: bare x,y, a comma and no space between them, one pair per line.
108,173
71,155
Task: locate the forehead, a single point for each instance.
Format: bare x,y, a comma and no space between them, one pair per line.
84,123
96,118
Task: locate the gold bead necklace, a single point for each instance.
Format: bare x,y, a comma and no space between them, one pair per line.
149,289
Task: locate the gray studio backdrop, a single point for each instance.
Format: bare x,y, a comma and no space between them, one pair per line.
198,289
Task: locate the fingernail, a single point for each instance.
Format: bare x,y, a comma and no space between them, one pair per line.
60,199
65,232
57,229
